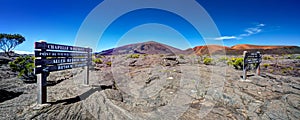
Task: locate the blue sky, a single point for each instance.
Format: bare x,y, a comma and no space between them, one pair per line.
261,22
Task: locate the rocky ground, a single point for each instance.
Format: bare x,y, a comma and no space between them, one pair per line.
150,87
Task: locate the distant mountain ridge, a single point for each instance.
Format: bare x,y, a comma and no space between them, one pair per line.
152,47
239,49
248,46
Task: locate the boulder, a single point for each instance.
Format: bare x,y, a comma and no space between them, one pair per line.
170,61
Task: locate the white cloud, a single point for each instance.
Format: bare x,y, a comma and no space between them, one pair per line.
248,32
22,52
253,30
226,38
261,25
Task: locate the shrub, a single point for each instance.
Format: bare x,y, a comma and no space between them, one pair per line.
266,65
134,56
223,59
144,55
268,58
287,69
109,63
298,57
181,56
208,61
98,61
99,56
237,63
289,56
25,67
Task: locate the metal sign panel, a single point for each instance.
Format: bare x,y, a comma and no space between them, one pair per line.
39,70
58,54
253,55
54,61
251,58
49,46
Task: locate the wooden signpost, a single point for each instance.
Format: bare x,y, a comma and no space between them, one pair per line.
251,58
54,57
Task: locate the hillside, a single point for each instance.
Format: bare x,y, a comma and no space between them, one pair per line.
239,49
199,50
152,47
263,47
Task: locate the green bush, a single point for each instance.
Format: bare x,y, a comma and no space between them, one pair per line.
134,56
109,63
237,63
268,58
181,56
98,61
287,69
298,57
289,56
208,61
266,65
25,66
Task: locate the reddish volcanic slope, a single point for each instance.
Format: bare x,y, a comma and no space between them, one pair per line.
238,49
152,47
209,49
247,46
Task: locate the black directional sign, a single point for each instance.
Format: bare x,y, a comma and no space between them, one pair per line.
60,57
253,61
49,46
252,58
253,55
58,54
54,57
39,70
54,61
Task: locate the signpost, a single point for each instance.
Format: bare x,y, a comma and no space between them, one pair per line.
54,57
251,58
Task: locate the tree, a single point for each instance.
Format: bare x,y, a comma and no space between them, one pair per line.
25,66
8,42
